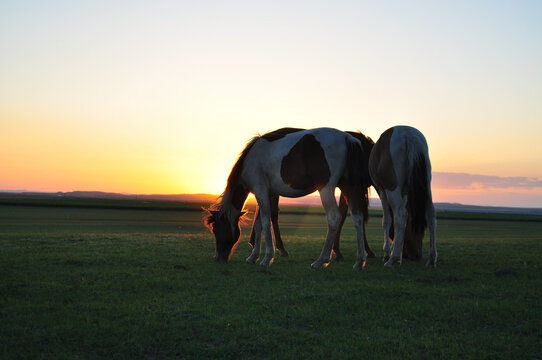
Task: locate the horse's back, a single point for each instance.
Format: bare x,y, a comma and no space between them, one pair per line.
408,141
394,154
297,162
328,139
409,145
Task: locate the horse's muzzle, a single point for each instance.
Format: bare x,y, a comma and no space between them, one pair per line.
221,258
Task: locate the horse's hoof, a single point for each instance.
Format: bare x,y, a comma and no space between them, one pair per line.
386,258
371,254
266,262
391,262
431,264
251,260
339,257
359,265
284,253
318,264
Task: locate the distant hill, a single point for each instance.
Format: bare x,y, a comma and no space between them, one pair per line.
312,200
488,209
199,198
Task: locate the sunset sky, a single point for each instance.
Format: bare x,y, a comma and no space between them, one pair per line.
158,97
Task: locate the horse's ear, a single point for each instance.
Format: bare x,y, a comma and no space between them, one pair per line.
210,218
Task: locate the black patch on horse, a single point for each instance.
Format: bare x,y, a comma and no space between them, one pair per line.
305,167
381,164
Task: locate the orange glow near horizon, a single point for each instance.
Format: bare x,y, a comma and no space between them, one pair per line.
51,157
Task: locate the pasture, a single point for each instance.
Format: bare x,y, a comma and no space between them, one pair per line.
137,281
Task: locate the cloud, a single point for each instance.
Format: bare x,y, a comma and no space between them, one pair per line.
449,180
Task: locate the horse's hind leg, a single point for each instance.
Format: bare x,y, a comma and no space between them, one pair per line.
327,195
400,217
432,225
387,222
343,209
253,231
274,203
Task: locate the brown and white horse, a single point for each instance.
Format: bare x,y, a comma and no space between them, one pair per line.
401,172
367,144
293,164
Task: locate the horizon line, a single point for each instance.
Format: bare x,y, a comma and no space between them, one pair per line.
251,199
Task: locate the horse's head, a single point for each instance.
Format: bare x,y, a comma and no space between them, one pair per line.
227,232
412,242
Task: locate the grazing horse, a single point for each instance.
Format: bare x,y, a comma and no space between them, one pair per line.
367,143
401,172
293,164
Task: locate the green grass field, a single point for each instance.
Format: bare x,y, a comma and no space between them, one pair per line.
138,282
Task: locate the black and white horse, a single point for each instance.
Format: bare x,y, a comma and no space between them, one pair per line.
293,164
401,172
367,144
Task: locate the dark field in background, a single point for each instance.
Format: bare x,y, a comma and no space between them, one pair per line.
136,280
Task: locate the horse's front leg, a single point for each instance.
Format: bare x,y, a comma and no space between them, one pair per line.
255,238
327,195
265,219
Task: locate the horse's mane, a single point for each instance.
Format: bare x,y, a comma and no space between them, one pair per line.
367,145
235,174
366,142
232,190
223,205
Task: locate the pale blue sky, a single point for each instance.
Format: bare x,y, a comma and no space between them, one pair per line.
167,93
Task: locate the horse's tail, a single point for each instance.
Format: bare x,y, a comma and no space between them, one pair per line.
358,173
418,194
